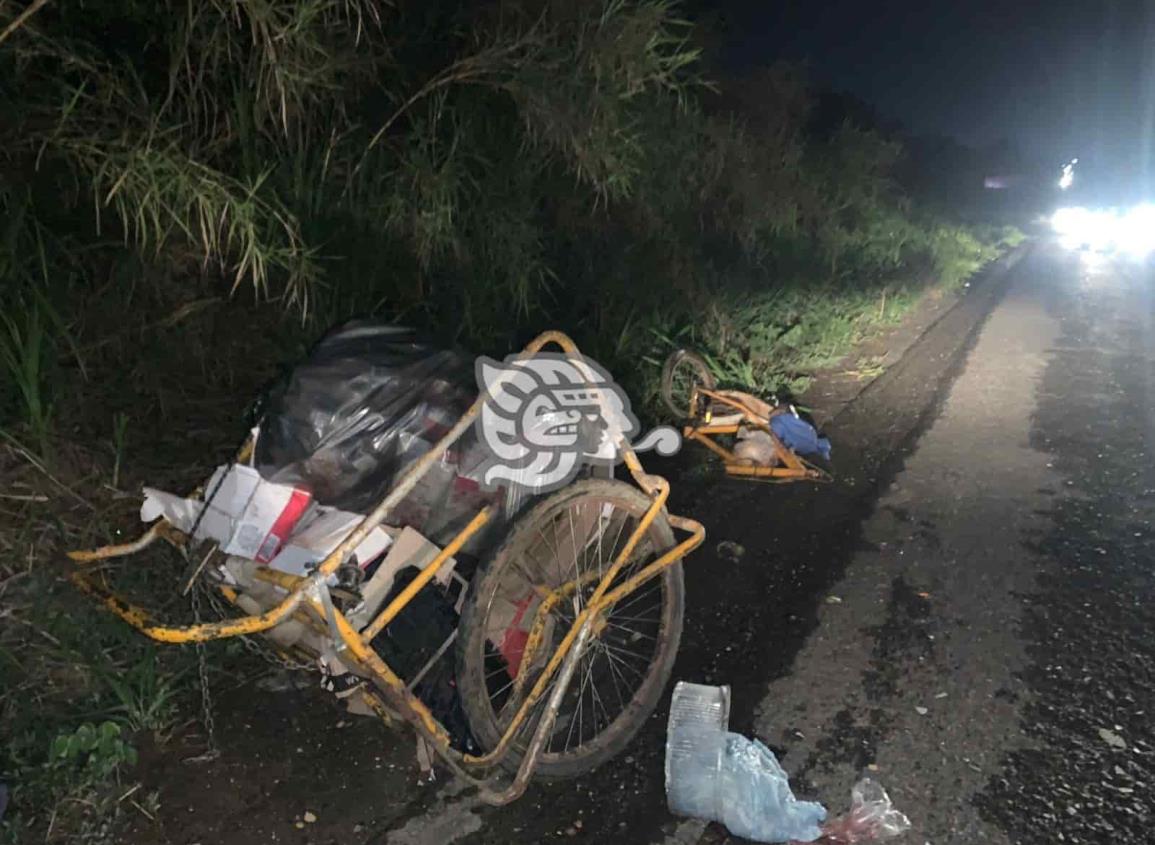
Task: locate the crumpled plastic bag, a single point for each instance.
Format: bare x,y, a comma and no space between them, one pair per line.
872,817
756,800
368,401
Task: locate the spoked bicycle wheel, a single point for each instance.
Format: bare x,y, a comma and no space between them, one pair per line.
571,537
681,374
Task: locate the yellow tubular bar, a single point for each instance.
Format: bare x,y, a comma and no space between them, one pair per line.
599,601
414,587
537,629
607,600
403,487
368,658
139,618
304,594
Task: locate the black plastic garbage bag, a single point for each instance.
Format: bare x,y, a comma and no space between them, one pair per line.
368,401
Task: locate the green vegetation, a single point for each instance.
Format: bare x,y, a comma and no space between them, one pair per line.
190,192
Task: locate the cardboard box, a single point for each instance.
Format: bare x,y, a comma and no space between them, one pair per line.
247,515
321,532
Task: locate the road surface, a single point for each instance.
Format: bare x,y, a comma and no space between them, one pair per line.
986,647
966,616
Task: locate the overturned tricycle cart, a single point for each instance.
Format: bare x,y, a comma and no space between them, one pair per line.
565,609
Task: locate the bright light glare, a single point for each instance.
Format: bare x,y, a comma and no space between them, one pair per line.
1137,230
1067,221
1132,232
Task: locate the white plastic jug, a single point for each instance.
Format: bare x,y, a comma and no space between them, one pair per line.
695,742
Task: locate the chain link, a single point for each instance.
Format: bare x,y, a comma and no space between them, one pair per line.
206,692
257,646
200,588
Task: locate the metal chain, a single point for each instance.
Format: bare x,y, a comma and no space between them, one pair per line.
197,586
206,693
257,646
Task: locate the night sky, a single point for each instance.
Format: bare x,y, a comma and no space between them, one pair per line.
1059,79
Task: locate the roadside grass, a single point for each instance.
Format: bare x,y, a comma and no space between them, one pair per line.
80,691
777,340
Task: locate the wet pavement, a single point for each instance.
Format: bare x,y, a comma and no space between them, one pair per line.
965,615
974,629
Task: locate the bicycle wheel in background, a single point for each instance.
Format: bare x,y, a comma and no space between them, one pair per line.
575,532
681,374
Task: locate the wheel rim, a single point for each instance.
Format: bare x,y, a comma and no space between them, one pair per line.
685,373
576,543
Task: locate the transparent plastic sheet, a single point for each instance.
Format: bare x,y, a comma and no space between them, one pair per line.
714,774
721,776
368,401
872,817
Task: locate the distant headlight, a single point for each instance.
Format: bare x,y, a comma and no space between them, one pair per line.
1081,227
1107,230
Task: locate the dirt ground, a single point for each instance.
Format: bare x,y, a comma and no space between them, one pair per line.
963,615
295,768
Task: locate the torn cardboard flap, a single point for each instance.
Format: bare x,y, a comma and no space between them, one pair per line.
270,523
247,515
323,531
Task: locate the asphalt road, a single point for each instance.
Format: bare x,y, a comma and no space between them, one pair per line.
970,623
965,616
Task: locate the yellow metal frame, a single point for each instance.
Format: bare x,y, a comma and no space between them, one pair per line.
703,430
307,598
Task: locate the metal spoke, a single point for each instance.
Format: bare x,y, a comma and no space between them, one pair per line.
630,600
615,618
633,632
580,698
623,654
597,700
577,593
614,675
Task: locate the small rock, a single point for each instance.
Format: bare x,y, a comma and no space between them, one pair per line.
309,817
578,824
357,828
922,711
872,766
1111,738
833,600
298,824
571,831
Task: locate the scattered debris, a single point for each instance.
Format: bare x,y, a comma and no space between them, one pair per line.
833,600
716,775
922,711
309,817
872,817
